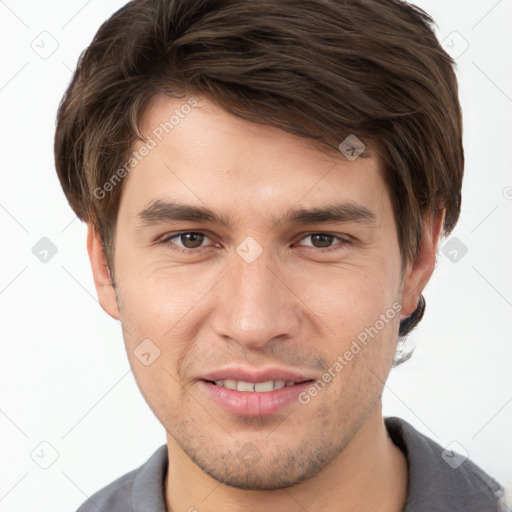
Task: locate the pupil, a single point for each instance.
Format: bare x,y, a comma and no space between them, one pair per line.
324,239
191,243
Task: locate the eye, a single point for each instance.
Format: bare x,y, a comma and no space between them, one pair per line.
186,241
192,241
325,241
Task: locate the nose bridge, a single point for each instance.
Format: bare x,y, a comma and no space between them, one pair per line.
256,306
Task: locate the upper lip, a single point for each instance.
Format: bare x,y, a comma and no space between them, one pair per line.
256,375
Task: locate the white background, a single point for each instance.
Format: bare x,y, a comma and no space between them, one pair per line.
65,378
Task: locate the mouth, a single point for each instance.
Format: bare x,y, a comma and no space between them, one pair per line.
244,398
255,387
251,391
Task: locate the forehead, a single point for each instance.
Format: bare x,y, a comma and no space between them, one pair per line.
201,153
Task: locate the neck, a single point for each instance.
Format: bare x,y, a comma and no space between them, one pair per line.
369,475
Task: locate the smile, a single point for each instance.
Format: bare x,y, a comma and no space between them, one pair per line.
251,387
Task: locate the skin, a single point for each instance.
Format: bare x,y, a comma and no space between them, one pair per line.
296,306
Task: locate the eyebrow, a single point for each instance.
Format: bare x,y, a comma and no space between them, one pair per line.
165,211
339,212
160,211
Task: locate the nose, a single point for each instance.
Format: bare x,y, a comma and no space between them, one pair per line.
256,304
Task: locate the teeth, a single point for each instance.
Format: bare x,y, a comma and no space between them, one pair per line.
245,386
240,385
231,384
264,386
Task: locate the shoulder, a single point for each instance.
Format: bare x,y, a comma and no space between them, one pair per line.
124,494
440,478
112,498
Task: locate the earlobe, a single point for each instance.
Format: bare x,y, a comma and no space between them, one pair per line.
418,273
101,273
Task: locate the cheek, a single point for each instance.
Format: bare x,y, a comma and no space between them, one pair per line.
157,296
161,310
153,315
346,297
358,312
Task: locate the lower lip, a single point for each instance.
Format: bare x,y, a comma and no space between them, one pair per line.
247,403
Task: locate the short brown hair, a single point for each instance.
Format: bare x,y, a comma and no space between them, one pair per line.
322,69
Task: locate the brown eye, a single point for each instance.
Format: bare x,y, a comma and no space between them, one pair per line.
186,240
321,240
191,240
324,241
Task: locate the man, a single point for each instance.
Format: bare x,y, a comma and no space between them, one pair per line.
265,186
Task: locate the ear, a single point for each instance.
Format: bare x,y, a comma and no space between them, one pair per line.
101,273
418,273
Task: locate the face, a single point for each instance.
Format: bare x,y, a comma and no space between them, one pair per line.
256,291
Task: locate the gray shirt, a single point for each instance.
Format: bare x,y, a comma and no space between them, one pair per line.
439,480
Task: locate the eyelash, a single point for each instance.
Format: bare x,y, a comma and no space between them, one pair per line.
166,240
